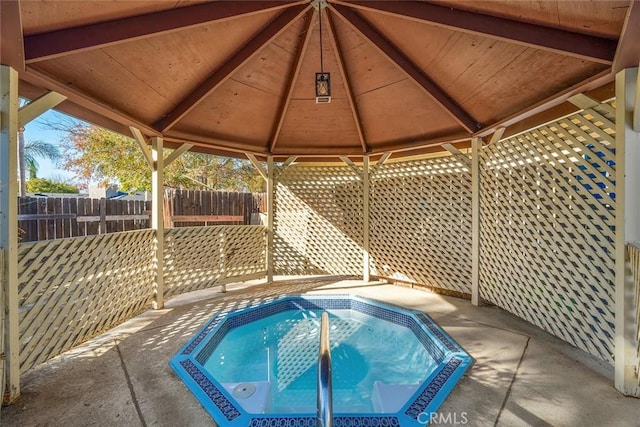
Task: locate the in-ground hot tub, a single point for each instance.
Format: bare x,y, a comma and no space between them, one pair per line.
257,366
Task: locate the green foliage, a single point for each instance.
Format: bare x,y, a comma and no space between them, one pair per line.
98,155
42,185
38,149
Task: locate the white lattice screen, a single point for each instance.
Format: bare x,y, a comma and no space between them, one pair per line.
318,221
633,258
72,289
201,257
547,228
421,222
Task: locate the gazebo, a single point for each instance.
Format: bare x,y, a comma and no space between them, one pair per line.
488,150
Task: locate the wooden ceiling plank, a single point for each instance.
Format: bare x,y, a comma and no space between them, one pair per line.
241,57
337,48
83,100
628,52
293,78
359,24
214,142
590,48
12,47
39,47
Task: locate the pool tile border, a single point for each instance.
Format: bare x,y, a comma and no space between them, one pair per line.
433,391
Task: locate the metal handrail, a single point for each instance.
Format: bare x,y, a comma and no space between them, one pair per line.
325,389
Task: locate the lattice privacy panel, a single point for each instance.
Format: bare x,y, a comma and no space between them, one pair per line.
420,226
72,289
201,257
633,258
318,221
547,228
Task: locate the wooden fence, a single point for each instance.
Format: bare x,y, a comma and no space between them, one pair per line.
47,218
189,208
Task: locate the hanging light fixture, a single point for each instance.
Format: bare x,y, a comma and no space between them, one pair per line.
323,80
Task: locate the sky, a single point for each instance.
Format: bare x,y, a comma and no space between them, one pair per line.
37,130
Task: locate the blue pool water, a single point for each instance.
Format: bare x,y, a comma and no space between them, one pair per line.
257,366
282,349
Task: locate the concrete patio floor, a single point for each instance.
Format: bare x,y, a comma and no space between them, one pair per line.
522,375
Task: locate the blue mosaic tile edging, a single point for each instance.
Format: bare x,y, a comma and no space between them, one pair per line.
338,421
421,404
433,338
218,398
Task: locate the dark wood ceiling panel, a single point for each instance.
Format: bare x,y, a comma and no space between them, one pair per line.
598,18
491,78
368,68
247,83
399,111
230,115
100,76
41,16
318,125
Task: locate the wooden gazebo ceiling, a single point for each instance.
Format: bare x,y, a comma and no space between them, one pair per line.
238,76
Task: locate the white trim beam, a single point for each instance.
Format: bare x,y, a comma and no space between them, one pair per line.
347,161
583,101
9,319
271,193
38,106
157,218
627,231
177,153
476,146
144,147
256,164
379,163
366,245
636,109
457,154
497,135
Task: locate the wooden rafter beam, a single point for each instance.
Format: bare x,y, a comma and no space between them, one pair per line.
11,47
590,48
347,84
241,57
214,142
293,78
39,47
628,52
360,25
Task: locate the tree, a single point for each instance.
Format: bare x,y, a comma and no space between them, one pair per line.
98,155
28,153
42,185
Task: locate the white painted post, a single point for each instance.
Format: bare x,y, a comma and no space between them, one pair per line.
365,220
627,230
270,217
157,217
9,327
476,144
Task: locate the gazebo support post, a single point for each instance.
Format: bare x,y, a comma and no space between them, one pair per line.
157,217
476,145
9,328
365,220
627,230
270,217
